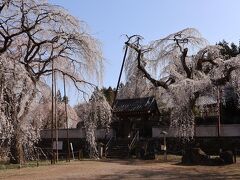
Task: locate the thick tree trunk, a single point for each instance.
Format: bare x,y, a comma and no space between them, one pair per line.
16,150
16,147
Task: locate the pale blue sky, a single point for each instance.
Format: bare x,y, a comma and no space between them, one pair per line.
152,19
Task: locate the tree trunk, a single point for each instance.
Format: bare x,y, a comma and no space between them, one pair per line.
16,147
16,150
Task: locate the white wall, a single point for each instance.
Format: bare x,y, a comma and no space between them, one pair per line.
226,130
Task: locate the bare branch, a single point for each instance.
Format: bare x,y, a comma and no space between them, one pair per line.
155,82
178,40
183,61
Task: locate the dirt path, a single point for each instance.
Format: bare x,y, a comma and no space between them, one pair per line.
118,169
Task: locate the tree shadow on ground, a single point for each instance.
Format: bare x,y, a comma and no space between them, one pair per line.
172,170
168,174
138,161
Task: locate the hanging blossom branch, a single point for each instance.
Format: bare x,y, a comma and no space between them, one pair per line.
140,54
76,81
179,41
96,113
33,34
189,77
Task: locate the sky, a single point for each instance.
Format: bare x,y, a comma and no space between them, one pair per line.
109,20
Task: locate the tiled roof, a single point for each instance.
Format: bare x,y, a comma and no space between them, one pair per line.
135,106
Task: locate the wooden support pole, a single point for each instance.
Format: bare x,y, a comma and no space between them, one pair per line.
120,75
55,115
219,112
66,113
52,157
219,102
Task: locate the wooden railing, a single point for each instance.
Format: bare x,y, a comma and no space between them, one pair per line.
134,140
107,145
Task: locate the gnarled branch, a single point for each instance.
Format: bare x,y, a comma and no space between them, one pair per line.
156,83
183,61
202,60
226,78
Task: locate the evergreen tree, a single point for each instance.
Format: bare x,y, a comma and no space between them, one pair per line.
229,51
230,109
65,98
59,96
109,94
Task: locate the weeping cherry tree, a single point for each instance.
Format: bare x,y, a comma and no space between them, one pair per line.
37,38
181,68
95,113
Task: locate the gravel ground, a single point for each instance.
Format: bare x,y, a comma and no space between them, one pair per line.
122,169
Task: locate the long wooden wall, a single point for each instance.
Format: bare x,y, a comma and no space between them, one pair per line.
226,130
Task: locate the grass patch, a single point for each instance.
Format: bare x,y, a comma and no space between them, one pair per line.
170,158
7,165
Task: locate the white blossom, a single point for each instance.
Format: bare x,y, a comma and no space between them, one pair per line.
96,113
183,68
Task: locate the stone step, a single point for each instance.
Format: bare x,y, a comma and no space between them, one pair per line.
118,149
